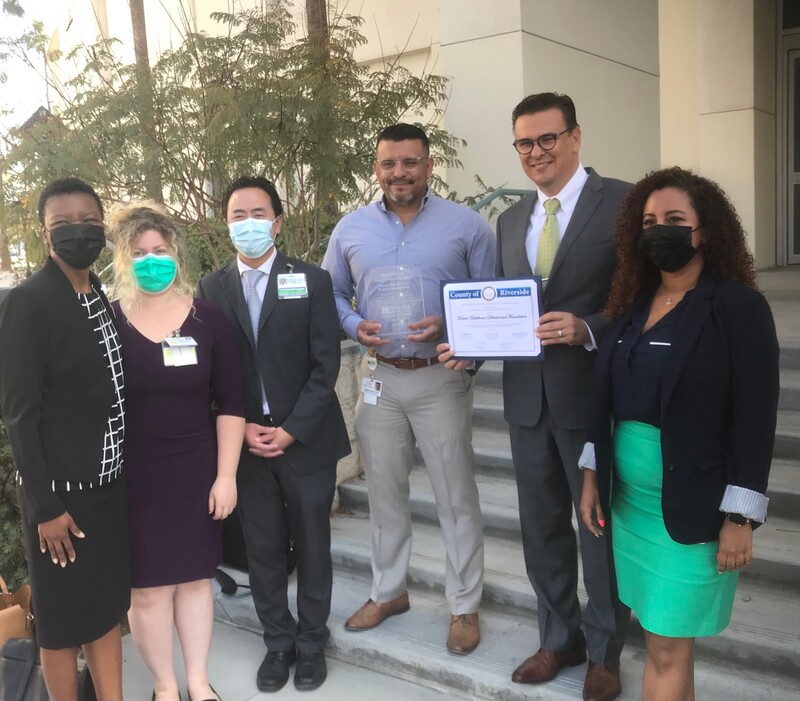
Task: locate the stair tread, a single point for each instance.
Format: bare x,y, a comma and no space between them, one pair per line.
775,541
411,646
788,423
764,618
784,477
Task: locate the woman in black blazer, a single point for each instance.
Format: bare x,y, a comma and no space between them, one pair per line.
61,388
684,409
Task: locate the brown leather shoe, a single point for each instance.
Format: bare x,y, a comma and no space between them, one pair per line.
544,665
465,633
602,683
372,614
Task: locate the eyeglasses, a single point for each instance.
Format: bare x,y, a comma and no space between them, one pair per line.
389,164
546,142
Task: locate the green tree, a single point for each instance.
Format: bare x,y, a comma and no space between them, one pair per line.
249,99
144,84
12,557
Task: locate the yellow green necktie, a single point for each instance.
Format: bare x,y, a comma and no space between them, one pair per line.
548,239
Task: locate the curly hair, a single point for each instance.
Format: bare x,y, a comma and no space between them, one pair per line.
124,225
725,251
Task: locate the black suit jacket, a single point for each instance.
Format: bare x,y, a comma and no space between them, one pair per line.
718,405
579,283
55,387
298,356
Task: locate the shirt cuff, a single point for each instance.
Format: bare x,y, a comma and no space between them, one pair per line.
591,344
350,326
740,500
587,461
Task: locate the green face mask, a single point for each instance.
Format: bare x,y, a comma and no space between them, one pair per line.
154,273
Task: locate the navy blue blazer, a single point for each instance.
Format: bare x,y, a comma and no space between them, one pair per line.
718,405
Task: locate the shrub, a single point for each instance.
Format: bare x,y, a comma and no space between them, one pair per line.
12,554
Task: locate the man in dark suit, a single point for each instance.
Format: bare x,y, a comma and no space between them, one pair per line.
564,233
287,327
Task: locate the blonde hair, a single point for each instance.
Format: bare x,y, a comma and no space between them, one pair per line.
124,225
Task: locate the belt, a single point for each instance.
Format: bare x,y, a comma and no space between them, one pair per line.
407,363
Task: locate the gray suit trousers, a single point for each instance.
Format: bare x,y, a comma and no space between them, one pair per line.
549,483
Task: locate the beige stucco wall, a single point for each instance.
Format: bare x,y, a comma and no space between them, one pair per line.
498,52
718,104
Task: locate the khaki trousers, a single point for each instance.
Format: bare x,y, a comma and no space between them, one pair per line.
430,407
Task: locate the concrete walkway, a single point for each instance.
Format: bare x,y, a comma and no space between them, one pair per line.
236,654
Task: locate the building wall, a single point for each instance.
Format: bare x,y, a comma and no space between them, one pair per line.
655,82
604,55
718,104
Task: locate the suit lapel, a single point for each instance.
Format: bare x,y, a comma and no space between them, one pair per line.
231,283
699,306
590,197
519,233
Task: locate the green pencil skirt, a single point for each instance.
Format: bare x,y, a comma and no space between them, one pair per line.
674,589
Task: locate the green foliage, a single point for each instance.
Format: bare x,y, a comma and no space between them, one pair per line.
250,99
12,555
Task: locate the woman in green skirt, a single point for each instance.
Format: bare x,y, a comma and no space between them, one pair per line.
684,408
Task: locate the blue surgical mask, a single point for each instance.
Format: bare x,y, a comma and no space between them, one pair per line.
252,237
154,273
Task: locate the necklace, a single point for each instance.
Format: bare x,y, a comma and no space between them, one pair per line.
669,300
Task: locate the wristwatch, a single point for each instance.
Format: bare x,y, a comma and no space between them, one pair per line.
739,520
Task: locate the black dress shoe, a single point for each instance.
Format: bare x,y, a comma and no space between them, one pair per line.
274,670
311,671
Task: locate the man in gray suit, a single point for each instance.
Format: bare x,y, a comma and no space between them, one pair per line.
563,232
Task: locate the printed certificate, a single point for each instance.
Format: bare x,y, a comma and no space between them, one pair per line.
493,319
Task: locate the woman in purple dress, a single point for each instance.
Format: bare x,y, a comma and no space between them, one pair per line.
185,425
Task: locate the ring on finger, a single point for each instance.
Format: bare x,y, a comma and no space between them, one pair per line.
560,333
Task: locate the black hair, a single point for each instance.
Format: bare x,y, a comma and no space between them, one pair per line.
404,132
66,186
539,102
252,181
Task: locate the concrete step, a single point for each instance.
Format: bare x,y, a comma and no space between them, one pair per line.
488,403
236,654
493,460
776,541
787,435
487,416
763,627
790,390
790,356
784,489
411,647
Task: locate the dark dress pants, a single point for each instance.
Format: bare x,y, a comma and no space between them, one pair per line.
265,485
549,484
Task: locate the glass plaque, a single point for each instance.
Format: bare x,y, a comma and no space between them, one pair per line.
393,298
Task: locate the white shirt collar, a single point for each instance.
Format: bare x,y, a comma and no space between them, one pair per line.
265,267
568,196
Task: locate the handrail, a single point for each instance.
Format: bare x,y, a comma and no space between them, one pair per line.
500,192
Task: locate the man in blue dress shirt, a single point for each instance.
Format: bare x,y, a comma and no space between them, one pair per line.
391,256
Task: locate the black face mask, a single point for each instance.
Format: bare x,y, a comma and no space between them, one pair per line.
668,247
78,245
